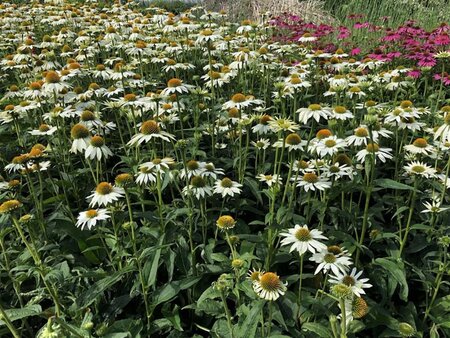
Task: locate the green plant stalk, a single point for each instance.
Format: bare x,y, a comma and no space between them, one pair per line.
227,312
411,210
38,262
9,324
343,319
300,282
269,327
438,281
138,262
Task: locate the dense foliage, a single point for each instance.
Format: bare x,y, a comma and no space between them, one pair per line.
184,176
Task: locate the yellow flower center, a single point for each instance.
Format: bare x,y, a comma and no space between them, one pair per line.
330,143
418,169
87,115
149,127
372,148
192,165
303,235
8,206
314,107
238,98
79,131
329,258
104,188
293,139
226,183
406,104
174,83
52,77
323,133
340,109
348,280
226,222
361,132
43,128
269,281
420,143
91,213
97,141
198,182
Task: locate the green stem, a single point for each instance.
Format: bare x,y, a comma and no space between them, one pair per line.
227,312
9,324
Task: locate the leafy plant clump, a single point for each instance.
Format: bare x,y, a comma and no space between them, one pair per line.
185,176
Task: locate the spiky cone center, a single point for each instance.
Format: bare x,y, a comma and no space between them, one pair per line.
341,291
255,276
172,83
79,131
124,179
361,132
97,141
149,127
406,330
100,67
206,32
140,45
9,107
52,77
44,128
334,169
343,159
340,109
418,169
13,183
94,86
9,206
87,115
355,89
314,107
104,188
110,30
91,213
329,258
295,80
359,307
192,165
265,119
334,249
20,159
260,144
420,143
238,98
310,178
348,280
303,235
323,133
372,148
225,222
270,282
302,164
35,152
445,109
198,182
447,119
233,112
35,86
293,139
330,143
130,97
406,104
226,183
214,75
370,103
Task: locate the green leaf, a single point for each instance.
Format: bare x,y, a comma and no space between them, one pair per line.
250,324
318,329
27,311
89,296
391,184
396,270
209,293
254,189
170,290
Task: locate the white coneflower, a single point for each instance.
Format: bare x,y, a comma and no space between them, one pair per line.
360,136
270,180
209,170
291,142
150,130
81,138
329,146
307,37
17,163
443,132
191,169
90,218
198,187
261,144
338,171
176,86
104,194
269,286
332,258
53,83
145,175
311,181
416,168
341,113
97,149
263,126
207,35
44,129
374,149
241,101
351,280
420,146
355,92
433,207
226,187
314,111
281,124
302,239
